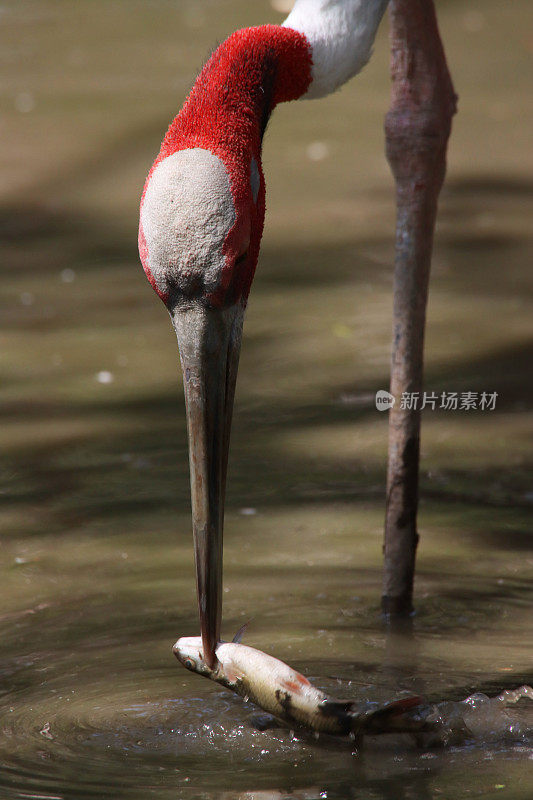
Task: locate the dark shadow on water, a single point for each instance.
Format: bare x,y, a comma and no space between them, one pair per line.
489,186
159,441
142,470
86,479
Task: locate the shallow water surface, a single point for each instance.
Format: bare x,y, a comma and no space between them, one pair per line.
96,568
95,705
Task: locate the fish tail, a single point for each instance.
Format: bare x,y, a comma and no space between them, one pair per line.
350,719
401,716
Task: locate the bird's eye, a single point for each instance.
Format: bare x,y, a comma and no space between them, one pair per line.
189,663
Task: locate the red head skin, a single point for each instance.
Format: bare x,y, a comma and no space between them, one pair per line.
226,113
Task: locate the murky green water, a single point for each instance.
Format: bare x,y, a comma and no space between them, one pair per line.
96,574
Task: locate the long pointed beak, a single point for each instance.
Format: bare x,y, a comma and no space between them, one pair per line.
209,342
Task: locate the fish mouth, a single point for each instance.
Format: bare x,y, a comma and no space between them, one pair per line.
209,341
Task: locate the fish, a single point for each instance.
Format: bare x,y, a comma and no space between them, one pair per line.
289,696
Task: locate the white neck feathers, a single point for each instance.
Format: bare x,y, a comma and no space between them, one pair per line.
341,34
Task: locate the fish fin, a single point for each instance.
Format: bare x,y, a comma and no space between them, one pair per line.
338,707
354,719
237,639
399,706
390,717
232,673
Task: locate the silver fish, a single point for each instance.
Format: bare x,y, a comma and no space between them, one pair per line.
286,694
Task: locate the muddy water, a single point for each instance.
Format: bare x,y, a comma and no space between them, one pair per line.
96,574
94,704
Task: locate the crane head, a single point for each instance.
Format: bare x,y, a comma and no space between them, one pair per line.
201,223
199,236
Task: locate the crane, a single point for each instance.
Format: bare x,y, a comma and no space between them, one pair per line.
201,222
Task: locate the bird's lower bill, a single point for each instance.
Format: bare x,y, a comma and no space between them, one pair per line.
209,342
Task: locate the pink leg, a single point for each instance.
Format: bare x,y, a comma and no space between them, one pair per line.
417,129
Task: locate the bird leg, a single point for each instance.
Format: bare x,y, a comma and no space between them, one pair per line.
417,129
